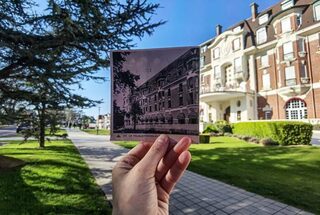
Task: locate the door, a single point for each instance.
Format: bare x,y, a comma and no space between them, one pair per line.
227,114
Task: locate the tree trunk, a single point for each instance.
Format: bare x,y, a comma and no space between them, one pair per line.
42,126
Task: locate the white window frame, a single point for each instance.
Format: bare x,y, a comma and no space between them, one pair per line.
217,72
286,25
290,76
263,19
265,61
288,53
236,44
266,81
287,4
316,9
204,49
262,36
216,53
296,109
237,64
202,61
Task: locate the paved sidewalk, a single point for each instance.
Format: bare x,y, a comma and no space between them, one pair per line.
194,194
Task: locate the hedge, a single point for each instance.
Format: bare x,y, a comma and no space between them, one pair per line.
285,133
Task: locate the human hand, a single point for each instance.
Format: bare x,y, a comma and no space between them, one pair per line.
144,178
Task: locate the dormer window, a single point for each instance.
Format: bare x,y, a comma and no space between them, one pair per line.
237,29
261,35
204,49
263,19
287,4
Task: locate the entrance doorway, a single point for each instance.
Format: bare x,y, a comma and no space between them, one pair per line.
226,116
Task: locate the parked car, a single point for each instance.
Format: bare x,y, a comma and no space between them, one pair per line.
23,127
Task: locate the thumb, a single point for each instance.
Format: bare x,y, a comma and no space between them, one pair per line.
157,151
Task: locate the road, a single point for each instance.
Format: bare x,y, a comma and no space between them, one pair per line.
316,138
8,131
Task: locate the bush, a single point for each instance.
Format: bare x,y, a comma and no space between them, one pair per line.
268,142
210,129
204,138
285,133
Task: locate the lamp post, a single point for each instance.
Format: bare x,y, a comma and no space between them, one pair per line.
98,120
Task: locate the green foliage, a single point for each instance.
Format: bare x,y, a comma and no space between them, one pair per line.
285,133
211,129
218,127
316,127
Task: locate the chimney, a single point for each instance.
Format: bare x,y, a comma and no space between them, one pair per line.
254,11
218,30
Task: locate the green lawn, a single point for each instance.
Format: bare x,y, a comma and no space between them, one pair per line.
288,174
55,180
59,132
94,131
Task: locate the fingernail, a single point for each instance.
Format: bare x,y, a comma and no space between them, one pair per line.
162,139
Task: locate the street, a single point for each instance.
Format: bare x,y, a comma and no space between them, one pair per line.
316,138
8,131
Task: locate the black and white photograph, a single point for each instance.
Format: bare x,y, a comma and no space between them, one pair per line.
155,91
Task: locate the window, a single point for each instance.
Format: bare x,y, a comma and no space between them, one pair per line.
237,65
266,81
216,53
236,44
217,72
169,92
267,115
296,109
286,25
303,71
263,19
301,45
155,108
264,61
290,76
180,101
261,35
287,4
210,117
316,9
299,20
169,103
180,88
237,29
202,61
288,51
191,100
239,115
204,49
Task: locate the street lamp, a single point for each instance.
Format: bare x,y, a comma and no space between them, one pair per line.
98,121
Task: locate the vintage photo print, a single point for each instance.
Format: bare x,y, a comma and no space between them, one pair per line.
155,92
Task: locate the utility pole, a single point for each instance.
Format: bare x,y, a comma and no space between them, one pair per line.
98,121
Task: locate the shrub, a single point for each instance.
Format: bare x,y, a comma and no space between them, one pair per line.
204,138
223,126
210,129
268,142
285,133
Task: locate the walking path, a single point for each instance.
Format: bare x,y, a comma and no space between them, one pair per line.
194,194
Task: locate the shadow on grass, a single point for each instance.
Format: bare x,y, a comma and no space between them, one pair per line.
55,180
288,174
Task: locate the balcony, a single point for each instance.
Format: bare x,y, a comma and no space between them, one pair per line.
222,93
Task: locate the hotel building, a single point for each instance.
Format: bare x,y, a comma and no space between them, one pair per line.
266,67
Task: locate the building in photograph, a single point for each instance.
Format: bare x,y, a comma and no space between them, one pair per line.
169,101
266,67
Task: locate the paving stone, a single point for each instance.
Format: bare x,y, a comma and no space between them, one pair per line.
193,194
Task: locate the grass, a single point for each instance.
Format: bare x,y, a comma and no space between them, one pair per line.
58,132
287,174
94,131
55,180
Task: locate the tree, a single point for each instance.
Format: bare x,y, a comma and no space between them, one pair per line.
43,55
135,112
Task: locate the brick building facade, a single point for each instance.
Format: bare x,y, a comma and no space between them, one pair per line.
266,67
169,101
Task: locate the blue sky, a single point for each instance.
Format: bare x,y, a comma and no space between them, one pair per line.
189,23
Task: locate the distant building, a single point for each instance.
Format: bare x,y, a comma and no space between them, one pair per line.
171,97
103,121
266,67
